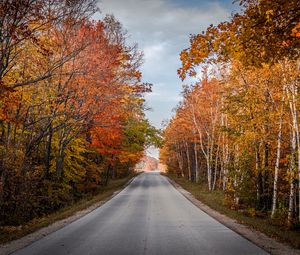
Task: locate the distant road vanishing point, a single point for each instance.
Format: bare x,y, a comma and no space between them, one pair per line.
148,217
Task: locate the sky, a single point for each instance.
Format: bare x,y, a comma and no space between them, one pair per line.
161,28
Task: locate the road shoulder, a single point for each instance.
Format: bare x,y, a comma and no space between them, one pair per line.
268,244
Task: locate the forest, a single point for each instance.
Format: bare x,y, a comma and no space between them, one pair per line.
71,105
236,129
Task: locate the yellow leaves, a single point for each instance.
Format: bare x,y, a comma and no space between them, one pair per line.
269,15
291,176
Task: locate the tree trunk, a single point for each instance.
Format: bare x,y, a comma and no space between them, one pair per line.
292,188
294,144
60,161
179,159
107,174
237,169
258,176
216,168
196,163
296,125
188,161
48,152
275,183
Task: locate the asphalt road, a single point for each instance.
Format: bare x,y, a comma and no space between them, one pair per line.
148,217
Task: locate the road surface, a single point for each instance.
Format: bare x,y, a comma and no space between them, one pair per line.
148,217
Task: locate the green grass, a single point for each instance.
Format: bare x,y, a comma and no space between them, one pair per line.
215,200
9,233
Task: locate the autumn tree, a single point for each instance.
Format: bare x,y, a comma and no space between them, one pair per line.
248,123
72,106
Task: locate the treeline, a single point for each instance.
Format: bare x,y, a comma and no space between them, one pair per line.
71,105
237,129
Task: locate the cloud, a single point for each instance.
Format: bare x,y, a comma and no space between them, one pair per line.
162,28
154,53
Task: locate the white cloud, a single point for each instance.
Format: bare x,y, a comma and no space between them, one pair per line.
155,52
162,28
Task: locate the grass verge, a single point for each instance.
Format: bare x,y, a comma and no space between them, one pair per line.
215,200
9,233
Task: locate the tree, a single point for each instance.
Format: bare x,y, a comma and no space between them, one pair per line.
247,125
72,106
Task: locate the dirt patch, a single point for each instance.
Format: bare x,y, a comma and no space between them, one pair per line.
268,244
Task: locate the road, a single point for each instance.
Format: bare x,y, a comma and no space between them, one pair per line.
148,217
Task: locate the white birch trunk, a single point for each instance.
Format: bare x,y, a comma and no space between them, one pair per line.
196,163
216,167
296,125
292,189
293,151
279,137
205,153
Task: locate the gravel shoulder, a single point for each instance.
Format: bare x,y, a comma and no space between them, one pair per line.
268,244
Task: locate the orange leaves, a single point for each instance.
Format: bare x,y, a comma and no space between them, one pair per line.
106,139
264,32
296,31
110,89
71,104
214,45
